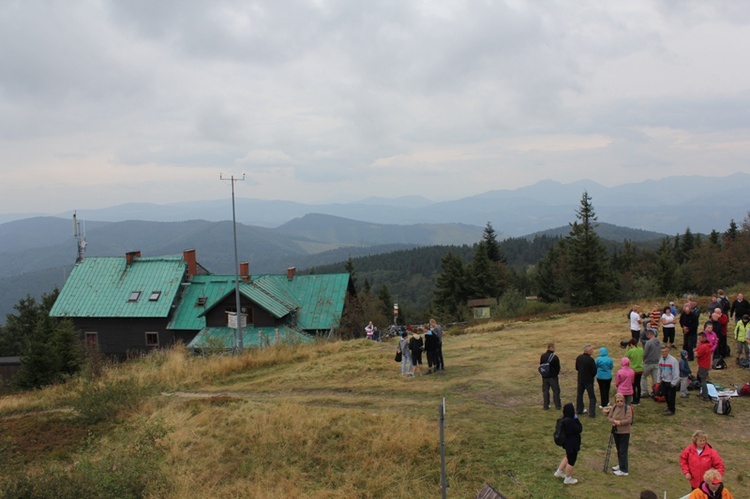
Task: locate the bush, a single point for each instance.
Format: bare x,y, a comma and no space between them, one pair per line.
99,401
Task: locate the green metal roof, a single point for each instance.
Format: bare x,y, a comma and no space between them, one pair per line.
223,337
321,298
105,287
199,294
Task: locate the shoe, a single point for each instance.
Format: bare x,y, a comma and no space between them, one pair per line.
684,395
558,408
559,474
621,473
569,480
636,404
668,413
585,411
616,468
601,407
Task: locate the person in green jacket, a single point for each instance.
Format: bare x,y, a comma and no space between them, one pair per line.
634,352
741,334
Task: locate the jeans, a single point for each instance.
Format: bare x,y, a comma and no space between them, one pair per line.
553,383
622,440
653,371
637,388
589,387
405,363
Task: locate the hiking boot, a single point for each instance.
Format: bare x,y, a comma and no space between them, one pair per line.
569,480
621,473
559,474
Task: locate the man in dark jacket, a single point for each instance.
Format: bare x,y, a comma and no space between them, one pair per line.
550,380
586,367
740,307
689,325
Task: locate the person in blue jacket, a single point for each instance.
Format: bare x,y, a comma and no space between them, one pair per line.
604,366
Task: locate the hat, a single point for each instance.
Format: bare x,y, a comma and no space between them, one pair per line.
671,303
717,480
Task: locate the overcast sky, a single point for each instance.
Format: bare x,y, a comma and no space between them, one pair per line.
110,102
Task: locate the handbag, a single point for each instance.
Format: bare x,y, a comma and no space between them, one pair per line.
398,356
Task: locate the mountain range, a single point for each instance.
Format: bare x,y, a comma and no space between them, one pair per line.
667,206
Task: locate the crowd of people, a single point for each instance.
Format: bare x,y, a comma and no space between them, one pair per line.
649,369
413,341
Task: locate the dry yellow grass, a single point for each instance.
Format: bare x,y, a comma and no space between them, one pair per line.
337,420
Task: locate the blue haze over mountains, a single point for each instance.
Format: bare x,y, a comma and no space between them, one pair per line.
37,252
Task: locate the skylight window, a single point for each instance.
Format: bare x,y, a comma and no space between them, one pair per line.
134,296
201,301
154,295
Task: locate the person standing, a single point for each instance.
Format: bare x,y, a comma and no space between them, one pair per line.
634,353
621,419
635,322
625,380
369,330
573,428
699,457
739,307
741,334
685,372
604,366
431,343
586,367
668,321
704,357
720,320
650,362
416,345
689,325
403,347
438,330
654,318
668,377
723,302
551,381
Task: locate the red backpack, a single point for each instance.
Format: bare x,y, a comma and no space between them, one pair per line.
744,390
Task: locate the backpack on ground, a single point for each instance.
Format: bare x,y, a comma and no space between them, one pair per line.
744,390
720,364
723,406
559,434
745,362
659,395
693,383
545,368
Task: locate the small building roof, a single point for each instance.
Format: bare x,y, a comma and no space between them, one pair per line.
110,287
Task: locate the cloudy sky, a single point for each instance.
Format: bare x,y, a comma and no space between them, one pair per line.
109,102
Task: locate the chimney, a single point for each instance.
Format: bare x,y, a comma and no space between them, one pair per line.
290,272
245,271
192,264
130,255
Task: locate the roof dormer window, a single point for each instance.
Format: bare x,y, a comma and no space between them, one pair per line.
134,296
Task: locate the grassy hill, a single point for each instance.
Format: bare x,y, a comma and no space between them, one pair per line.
336,420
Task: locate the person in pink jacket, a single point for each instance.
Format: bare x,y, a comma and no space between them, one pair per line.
699,457
624,380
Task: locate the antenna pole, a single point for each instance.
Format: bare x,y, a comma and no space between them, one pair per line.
80,238
238,331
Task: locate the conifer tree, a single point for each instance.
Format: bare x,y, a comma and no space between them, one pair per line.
489,238
666,267
451,289
591,281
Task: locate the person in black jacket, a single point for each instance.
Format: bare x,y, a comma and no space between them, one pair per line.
572,427
586,367
551,381
431,345
689,325
739,307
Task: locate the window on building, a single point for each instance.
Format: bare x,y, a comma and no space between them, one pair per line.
134,295
201,301
154,295
92,340
152,339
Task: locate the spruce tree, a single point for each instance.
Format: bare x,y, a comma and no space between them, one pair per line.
489,238
451,289
666,267
591,281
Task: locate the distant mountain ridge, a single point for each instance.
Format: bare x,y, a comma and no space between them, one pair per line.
668,206
37,254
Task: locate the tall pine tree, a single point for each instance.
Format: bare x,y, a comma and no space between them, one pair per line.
591,281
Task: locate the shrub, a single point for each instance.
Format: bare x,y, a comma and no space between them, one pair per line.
103,400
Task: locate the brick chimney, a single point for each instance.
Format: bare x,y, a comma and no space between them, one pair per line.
192,263
130,255
290,272
245,271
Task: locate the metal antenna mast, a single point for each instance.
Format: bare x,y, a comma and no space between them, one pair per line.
238,331
80,238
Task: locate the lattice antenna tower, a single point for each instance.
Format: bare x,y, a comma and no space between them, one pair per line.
80,236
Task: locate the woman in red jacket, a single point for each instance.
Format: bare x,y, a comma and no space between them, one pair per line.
699,457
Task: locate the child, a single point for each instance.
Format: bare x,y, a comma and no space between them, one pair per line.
684,373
